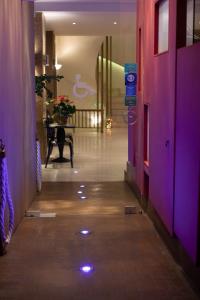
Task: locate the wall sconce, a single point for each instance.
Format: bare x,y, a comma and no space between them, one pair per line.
58,66
46,60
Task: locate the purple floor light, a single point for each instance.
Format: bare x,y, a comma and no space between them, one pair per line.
86,269
85,232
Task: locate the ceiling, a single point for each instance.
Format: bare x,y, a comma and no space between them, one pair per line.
90,23
92,17
82,5
92,1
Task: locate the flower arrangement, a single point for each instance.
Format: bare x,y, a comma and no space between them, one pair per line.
62,108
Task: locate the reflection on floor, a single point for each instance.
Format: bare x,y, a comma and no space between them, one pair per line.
130,262
98,157
128,257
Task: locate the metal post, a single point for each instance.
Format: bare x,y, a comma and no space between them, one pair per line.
98,90
110,94
107,82
102,89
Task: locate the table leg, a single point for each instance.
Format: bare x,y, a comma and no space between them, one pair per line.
61,143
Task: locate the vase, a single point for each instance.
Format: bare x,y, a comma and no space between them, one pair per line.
60,119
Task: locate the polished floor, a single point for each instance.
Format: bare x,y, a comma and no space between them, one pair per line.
130,261
97,157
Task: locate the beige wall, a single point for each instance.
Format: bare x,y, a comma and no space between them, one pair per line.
124,48
17,109
124,51
78,55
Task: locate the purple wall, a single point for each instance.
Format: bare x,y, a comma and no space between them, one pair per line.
17,109
187,184
170,85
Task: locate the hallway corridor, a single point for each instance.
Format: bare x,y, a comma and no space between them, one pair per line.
98,157
123,77
129,259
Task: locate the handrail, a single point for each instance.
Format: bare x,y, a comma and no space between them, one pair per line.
86,118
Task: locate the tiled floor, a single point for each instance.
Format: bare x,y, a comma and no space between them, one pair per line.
130,261
97,157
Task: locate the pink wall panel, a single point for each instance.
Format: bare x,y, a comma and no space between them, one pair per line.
161,142
187,174
158,78
171,86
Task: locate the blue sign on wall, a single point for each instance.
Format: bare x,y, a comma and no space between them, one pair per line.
131,84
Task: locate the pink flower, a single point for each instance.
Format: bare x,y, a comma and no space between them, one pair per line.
62,98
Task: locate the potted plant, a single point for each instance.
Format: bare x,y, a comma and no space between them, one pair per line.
41,82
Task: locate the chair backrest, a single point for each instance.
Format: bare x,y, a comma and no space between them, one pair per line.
50,131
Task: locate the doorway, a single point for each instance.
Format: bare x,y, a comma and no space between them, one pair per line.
89,49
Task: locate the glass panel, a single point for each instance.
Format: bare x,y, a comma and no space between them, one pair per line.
190,19
146,133
193,22
163,25
197,22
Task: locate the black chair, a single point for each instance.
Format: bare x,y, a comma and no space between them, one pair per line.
59,138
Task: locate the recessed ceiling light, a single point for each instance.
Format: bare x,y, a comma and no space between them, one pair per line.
115,23
74,23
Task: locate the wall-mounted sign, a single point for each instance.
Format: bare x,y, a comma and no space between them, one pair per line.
131,84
